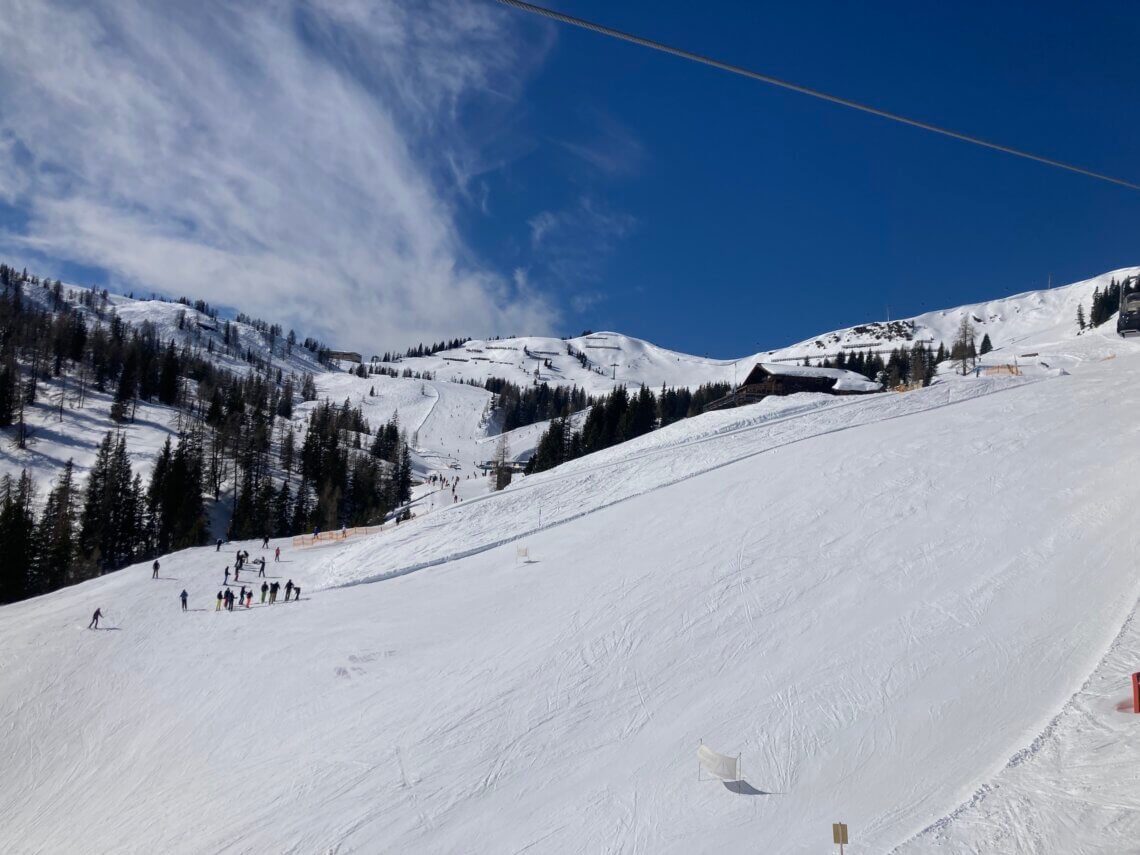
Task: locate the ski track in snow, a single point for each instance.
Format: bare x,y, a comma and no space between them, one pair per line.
917,402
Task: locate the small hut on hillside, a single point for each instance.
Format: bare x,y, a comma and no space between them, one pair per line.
769,378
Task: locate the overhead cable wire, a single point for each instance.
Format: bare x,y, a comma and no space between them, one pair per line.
807,90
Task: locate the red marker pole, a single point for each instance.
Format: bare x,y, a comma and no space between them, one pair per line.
1136,692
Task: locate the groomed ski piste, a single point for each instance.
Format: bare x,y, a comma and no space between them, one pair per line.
909,612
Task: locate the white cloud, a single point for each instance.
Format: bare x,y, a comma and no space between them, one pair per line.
299,160
613,149
572,244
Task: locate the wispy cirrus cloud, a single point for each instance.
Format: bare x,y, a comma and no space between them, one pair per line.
572,244
300,159
610,146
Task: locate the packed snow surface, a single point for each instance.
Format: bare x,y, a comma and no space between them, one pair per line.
899,609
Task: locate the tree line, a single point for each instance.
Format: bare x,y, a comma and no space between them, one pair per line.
109,522
1106,303
617,417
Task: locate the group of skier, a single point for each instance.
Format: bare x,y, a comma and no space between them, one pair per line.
228,598
245,597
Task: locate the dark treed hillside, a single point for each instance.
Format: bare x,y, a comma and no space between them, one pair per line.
617,417
232,430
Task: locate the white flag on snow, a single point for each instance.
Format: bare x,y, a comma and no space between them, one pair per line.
718,765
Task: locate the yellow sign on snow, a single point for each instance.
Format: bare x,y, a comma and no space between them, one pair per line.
839,832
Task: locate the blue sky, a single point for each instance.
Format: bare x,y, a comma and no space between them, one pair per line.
381,173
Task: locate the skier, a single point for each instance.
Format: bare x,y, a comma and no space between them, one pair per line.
184,595
227,575
237,573
288,589
265,542
264,591
273,592
219,549
249,598
296,592
261,561
95,619
220,598
277,555
154,567
229,600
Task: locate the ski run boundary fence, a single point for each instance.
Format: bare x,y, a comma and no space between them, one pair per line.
336,534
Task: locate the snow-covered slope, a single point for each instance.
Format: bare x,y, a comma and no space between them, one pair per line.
876,601
74,433
1041,316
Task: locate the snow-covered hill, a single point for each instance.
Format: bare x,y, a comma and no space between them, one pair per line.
457,433
887,605
73,432
611,358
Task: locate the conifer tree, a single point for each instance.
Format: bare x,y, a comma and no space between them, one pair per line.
57,534
17,524
125,393
168,376
964,344
500,472
109,533
282,511
287,451
403,480
986,346
301,508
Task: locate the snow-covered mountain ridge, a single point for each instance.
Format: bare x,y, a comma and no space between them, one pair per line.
612,358
451,423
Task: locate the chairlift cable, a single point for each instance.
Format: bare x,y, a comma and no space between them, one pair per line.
806,90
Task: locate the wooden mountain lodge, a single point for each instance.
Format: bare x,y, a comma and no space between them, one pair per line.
773,379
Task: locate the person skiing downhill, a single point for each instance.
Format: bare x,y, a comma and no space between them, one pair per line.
154,567
277,555
265,542
184,595
95,619
261,561
219,549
